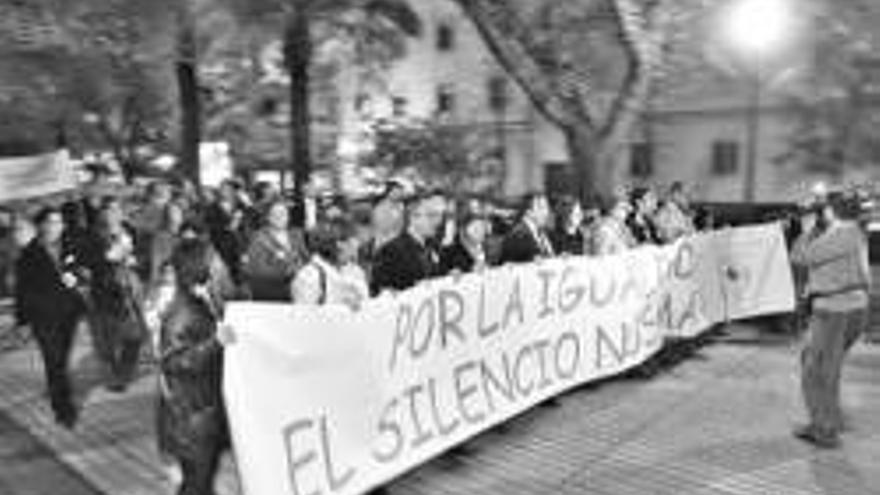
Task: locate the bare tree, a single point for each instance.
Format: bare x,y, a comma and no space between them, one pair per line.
586,65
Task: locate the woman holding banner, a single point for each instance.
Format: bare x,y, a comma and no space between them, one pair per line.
468,252
274,256
192,420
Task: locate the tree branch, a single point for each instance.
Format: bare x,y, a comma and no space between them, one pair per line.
643,28
512,44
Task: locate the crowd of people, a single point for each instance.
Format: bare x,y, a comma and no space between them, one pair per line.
150,275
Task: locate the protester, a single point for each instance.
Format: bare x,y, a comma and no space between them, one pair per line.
192,420
164,240
274,256
591,223
838,282
116,313
332,276
528,240
612,234
409,258
641,219
673,219
387,221
151,216
467,253
567,235
48,274
225,220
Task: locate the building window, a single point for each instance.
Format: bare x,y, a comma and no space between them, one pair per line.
641,160
398,106
725,157
496,88
445,38
445,100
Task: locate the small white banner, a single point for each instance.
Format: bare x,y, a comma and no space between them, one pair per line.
323,400
33,176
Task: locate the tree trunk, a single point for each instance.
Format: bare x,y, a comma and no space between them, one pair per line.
297,58
592,172
188,94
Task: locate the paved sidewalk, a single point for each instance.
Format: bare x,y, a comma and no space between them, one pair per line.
718,423
23,458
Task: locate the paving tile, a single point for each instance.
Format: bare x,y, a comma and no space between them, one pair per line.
716,424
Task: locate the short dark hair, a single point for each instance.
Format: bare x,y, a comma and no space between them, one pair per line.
153,187
636,195
676,187
324,239
528,201
44,213
844,206
469,217
191,261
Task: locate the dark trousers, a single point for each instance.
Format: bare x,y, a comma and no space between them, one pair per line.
117,342
199,472
55,340
830,336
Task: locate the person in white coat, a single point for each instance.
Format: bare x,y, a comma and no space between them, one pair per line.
332,275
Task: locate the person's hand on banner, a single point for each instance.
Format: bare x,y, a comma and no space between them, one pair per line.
226,334
69,280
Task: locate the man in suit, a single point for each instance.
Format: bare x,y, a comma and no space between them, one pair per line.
528,240
47,298
409,257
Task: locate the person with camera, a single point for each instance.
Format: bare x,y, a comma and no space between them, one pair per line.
834,254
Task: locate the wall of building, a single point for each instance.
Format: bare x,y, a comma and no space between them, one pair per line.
704,107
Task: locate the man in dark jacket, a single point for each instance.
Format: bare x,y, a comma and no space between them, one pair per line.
528,240
47,273
409,258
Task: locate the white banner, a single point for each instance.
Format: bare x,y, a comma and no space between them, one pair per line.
33,176
330,401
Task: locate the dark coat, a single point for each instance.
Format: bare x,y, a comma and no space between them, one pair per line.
228,239
643,230
41,296
402,263
162,246
520,246
269,266
191,415
115,288
455,257
566,242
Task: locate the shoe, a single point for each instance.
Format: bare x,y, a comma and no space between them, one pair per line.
817,438
67,418
117,385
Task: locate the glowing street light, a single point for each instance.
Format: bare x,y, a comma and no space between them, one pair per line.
756,29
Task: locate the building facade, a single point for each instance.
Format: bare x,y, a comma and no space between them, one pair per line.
698,134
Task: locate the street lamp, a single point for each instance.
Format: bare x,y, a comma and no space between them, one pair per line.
756,29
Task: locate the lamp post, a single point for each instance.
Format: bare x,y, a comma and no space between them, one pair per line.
756,29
